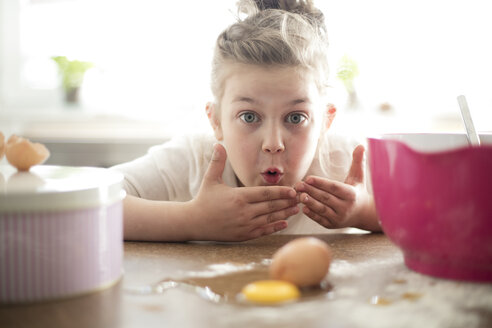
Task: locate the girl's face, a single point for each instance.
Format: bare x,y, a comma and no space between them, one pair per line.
270,121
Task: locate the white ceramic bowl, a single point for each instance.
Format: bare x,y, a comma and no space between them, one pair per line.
60,232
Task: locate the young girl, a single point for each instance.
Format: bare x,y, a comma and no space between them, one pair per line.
269,166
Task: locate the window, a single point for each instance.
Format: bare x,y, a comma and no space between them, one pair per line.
151,56
417,55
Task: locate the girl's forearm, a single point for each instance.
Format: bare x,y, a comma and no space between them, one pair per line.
150,220
368,217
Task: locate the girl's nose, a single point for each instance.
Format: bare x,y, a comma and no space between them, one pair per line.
273,143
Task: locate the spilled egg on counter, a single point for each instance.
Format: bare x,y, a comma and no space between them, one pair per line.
303,262
270,292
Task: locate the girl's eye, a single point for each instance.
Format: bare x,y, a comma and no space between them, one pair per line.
249,117
295,118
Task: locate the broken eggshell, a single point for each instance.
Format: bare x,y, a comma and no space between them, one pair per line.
23,154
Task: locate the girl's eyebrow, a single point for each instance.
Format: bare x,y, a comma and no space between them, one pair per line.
300,101
245,99
253,101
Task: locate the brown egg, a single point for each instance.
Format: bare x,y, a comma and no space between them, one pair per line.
2,145
24,154
303,262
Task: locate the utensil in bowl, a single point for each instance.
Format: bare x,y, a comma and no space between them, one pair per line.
433,195
471,132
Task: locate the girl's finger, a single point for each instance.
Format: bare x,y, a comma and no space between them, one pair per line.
275,216
324,221
268,229
319,208
338,189
356,171
261,194
271,206
324,197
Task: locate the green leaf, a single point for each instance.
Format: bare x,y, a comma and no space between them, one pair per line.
347,71
71,71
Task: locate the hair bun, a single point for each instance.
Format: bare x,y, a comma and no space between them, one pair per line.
297,6
267,4
301,7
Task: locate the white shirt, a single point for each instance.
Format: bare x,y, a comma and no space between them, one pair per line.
174,171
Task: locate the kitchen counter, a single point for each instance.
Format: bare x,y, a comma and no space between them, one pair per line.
194,285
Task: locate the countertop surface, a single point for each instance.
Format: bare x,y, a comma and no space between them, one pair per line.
195,285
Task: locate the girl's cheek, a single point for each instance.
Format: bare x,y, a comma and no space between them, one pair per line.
306,138
241,128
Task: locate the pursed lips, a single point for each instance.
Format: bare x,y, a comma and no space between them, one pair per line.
272,175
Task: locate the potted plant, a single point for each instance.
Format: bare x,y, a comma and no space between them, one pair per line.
347,72
72,73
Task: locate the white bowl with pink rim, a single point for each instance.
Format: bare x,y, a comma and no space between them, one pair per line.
61,232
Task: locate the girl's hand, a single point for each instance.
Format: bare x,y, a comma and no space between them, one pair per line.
338,205
223,213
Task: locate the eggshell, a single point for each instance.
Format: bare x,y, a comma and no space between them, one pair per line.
303,262
24,154
2,145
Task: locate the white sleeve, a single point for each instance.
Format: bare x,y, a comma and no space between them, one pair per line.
166,172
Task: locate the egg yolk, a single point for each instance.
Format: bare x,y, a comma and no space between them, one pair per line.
270,291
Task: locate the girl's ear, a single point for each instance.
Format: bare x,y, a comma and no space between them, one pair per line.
330,113
210,108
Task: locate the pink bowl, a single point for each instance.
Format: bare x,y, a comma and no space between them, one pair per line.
433,194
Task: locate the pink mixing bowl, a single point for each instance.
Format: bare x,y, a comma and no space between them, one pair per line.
433,194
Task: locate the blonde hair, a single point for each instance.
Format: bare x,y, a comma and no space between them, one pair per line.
283,32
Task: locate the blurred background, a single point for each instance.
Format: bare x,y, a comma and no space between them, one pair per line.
99,81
